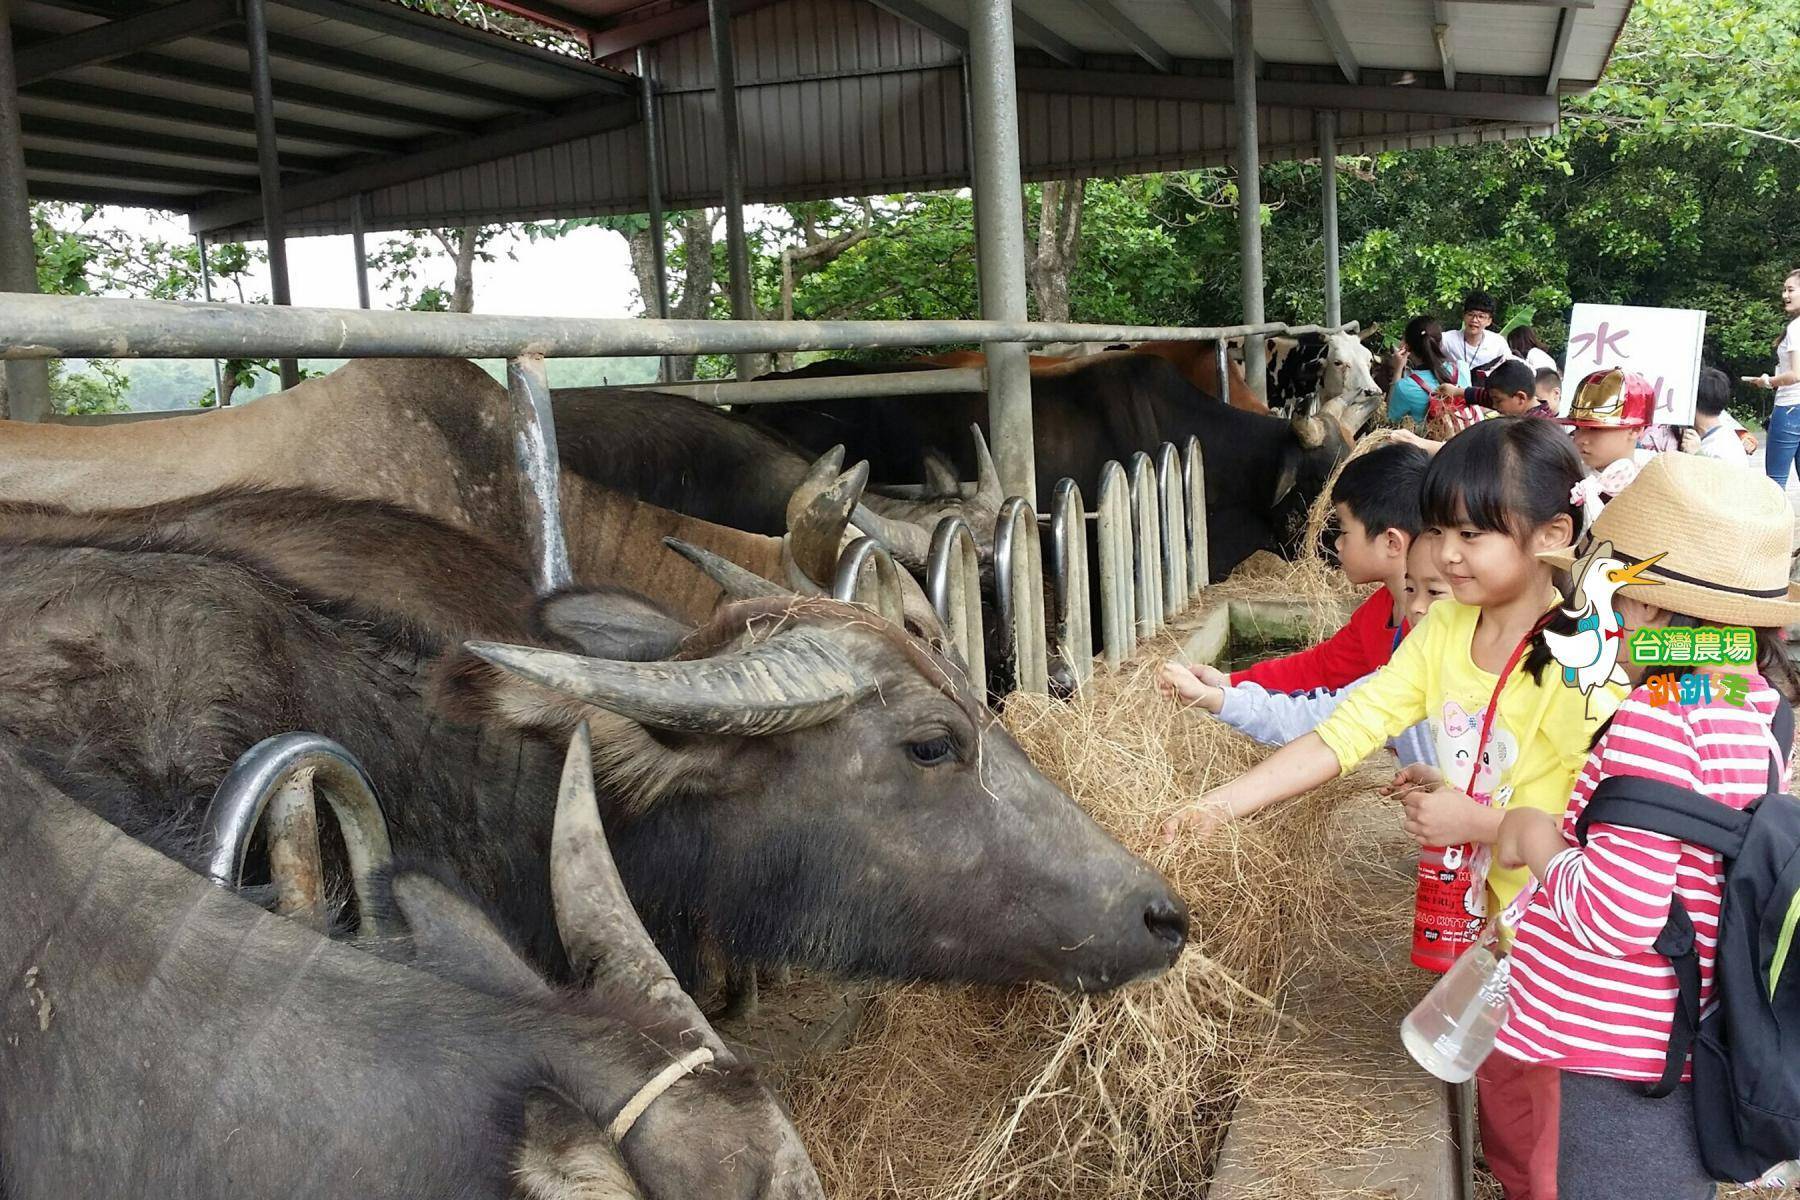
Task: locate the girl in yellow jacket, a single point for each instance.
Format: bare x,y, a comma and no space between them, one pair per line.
1494,497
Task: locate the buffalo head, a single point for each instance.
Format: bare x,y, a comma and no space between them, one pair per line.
811,785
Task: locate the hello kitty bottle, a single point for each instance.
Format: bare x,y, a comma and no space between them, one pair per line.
1447,912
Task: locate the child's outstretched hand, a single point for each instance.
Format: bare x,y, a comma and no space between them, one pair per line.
1416,775
1201,686
1198,820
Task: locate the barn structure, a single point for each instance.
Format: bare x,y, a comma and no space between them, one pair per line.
276,118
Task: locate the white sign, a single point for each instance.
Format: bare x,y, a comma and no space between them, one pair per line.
1661,344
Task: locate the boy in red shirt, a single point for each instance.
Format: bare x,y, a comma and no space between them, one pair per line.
1376,503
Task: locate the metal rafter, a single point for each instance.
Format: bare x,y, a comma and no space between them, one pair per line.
1489,106
129,171
115,137
1046,39
1216,16
122,36
1559,55
1147,47
384,16
582,118
107,100
176,202
1440,33
1334,37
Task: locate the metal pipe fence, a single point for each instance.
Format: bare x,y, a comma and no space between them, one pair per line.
1149,544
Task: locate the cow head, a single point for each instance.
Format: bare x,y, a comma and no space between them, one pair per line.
1349,371
804,783
1321,440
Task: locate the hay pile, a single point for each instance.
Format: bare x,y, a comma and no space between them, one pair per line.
1028,1093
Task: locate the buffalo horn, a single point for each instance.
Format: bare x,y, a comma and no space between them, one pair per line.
827,467
601,933
794,680
739,583
989,493
817,516
1309,431
940,475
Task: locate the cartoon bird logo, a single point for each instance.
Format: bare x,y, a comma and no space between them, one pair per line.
1590,656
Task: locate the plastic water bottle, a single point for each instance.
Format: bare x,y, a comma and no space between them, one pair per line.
1443,926
1453,1028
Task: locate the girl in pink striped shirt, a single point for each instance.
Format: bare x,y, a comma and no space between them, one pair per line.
1590,996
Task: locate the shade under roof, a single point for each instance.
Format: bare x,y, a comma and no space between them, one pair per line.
432,124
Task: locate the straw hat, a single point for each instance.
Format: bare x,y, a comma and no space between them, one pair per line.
1726,529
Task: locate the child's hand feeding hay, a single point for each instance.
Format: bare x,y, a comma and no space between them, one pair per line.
1203,687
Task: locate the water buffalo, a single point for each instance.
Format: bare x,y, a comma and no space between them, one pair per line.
1261,472
795,782
162,1037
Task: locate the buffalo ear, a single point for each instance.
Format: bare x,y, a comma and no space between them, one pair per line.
470,689
563,1153
1289,476
612,623
453,937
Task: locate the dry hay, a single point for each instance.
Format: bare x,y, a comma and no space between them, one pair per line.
1029,1093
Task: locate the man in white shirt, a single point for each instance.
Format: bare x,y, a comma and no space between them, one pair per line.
1476,347
1715,434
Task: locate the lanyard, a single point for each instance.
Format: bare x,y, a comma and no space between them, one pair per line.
1487,720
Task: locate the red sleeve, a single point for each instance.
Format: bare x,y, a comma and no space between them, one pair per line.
1364,644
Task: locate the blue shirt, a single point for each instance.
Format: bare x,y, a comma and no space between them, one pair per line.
1408,397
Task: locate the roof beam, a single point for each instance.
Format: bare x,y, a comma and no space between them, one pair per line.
629,34
332,58
118,38
75,193
1147,47
1286,93
583,119
383,16
1534,3
1045,38
206,75
1216,16
927,18
1334,37
1440,32
124,138
107,100
1559,56
128,171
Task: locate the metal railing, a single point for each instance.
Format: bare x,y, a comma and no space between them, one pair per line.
1150,520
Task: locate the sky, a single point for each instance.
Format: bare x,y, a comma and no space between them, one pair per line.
584,274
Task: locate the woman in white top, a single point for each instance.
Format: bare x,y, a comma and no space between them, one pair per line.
1784,424
1476,347
1526,344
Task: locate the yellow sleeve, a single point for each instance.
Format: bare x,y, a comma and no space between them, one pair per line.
1390,701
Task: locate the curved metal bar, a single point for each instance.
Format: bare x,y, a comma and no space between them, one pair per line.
1118,602
1069,569
1019,592
1146,530
1193,471
866,575
953,584
1174,530
291,765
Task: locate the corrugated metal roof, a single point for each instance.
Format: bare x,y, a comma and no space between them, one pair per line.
836,97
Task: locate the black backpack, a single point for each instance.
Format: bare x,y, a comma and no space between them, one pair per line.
1747,1049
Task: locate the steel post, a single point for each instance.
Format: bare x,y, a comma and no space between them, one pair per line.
1000,237
268,162
219,396
359,220
1327,119
534,452
27,391
657,303
718,16
1249,168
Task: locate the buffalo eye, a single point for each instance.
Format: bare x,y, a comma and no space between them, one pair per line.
932,752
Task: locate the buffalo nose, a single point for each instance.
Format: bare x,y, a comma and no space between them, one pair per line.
1167,920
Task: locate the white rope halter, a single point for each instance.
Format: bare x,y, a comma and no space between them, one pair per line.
647,1095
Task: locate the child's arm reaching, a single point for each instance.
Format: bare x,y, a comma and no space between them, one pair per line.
1202,686
1297,767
